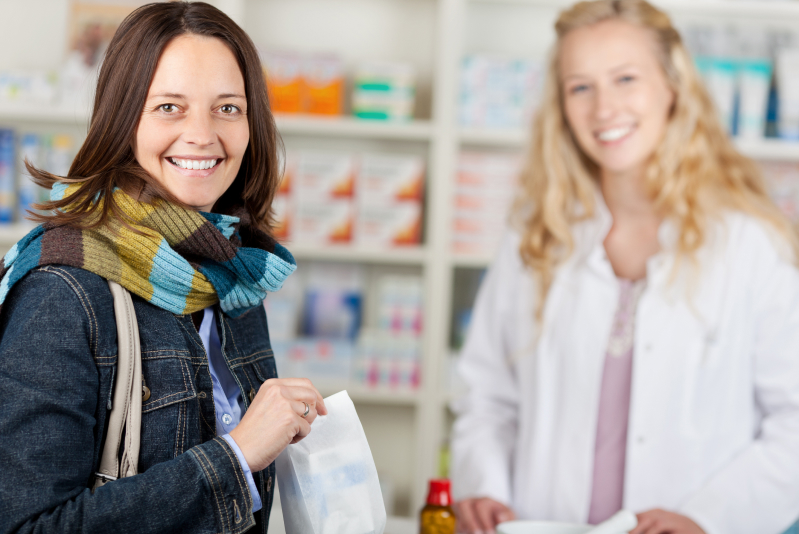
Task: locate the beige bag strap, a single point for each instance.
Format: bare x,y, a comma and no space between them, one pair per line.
126,405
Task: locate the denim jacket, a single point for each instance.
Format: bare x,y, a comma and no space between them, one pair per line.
58,355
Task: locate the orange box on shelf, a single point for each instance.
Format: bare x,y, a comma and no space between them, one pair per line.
323,222
389,224
321,175
281,211
289,168
283,73
323,85
388,178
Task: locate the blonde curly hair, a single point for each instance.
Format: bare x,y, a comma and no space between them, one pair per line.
695,174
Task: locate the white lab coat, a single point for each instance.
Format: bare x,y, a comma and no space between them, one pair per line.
714,411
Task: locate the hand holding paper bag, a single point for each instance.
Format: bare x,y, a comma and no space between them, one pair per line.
274,419
328,481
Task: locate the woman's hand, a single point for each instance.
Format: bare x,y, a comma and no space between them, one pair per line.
663,522
481,515
274,419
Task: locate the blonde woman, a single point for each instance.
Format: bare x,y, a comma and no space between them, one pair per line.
636,343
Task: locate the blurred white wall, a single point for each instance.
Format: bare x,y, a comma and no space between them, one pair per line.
33,33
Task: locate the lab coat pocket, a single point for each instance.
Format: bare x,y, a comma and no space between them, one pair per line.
702,391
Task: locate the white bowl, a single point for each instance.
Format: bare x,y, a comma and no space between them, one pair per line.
541,527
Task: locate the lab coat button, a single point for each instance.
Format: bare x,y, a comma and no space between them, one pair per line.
648,347
640,440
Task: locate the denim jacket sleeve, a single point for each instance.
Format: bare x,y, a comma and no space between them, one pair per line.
50,371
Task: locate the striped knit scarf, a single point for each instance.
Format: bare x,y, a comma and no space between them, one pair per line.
181,260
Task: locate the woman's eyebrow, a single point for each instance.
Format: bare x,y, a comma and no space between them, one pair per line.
183,97
168,95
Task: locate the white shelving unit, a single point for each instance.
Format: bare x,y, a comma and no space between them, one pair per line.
434,35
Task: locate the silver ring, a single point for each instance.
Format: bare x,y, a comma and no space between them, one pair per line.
307,409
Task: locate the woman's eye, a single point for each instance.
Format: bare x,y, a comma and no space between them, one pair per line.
576,89
229,109
626,79
168,108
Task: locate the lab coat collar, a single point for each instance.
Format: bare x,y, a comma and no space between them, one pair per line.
590,236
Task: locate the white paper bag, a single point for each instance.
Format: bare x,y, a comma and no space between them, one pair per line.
328,481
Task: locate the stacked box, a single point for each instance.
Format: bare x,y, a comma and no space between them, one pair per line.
284,82
485,186
30,148
333,348
7,176
305,84
322,190
390,189
323,85
499,92
384,91
282,206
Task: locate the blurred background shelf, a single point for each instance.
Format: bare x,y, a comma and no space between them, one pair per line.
500,137
11,233
471,261
364,395
417,130
415,255
769,149
42,113
761,149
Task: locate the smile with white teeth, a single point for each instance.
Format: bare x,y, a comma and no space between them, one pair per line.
614,134
194,164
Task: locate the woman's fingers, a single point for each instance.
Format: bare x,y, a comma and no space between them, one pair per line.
481,516
466,519
484,511
304,430
300,406
303,390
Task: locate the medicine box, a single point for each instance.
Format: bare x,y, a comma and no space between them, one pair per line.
323,85
323,221
389,224
384,90
324,175
282,214
7,175
387,178
284,81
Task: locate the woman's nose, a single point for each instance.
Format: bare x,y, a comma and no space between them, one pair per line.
606,104
199,129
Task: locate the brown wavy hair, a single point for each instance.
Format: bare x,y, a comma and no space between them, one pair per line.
105,160
695,174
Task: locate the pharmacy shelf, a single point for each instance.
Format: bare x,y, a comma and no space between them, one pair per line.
417,130
414,255
42,113
11,233
365,395
769,149
307,125
760,149
503,137
758,9
471,261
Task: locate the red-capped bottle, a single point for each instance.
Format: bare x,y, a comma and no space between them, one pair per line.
437,516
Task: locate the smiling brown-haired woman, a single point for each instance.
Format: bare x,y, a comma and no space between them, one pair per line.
106,159
170,197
